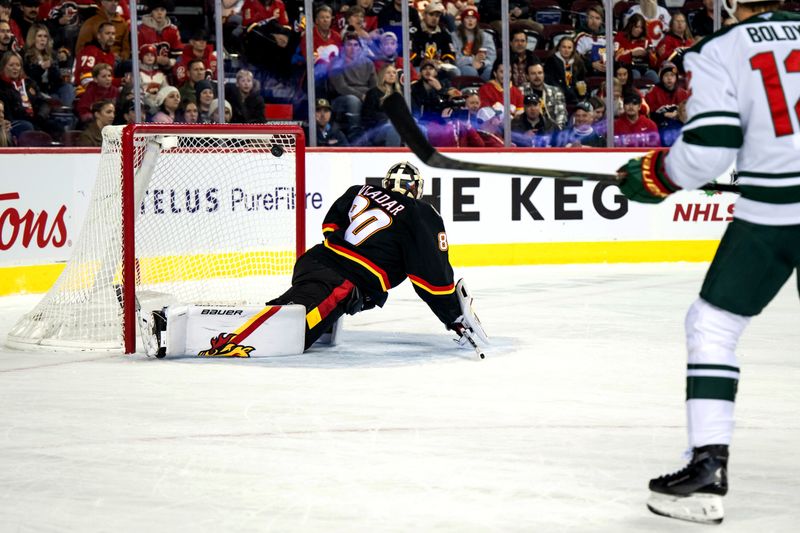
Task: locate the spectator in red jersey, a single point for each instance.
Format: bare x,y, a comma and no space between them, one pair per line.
26,15
491,92
327,44
198,48
13,39
257,10
95,52
664,100
151,78
676,41
635,49
109,12
100,88
633,129
157,29
102,116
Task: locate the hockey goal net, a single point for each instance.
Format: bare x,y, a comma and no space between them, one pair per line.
183,213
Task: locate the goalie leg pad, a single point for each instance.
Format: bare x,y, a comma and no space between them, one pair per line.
245,331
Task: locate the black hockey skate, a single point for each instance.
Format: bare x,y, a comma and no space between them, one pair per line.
695,492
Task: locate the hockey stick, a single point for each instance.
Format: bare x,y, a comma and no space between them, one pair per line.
395,108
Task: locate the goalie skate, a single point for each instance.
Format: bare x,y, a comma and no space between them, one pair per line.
695,492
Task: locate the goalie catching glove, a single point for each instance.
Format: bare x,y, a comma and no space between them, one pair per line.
645,180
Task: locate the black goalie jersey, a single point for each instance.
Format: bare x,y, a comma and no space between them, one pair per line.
376,238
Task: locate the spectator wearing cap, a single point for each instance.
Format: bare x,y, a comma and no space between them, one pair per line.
591,43
678,39
552,97
26,15
198,48
431,42
475,50
328,133
151,78
492,93
157,29
168,101
102,116
227,111
352,74
664,101
11,38
247,104
100,88
430,94
378,130
532,128
490,127
108,12
582,133
633,129
390,19
204,94
387,54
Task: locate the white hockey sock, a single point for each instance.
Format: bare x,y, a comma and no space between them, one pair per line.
712,373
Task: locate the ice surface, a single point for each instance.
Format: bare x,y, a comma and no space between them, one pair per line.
578,403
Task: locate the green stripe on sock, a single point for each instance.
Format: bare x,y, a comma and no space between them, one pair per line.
711,388
713,367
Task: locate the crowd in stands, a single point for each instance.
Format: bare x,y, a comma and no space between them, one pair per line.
65,67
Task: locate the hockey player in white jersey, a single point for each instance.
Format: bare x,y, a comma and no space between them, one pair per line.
745,83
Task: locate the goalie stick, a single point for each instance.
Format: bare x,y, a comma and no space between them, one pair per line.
395,108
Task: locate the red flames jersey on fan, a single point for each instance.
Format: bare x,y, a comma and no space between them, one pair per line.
209,58
89,56
376,238
167,41
255,11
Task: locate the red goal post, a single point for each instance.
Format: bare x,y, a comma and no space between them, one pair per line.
190,213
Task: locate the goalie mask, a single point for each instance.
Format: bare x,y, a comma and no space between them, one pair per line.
405,179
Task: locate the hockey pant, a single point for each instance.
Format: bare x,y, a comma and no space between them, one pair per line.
751,265
324,293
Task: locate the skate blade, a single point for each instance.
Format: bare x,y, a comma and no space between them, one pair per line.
702,508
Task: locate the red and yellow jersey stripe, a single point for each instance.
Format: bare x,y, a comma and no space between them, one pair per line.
436,290
378,272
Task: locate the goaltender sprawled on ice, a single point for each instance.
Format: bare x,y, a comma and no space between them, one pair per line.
374,239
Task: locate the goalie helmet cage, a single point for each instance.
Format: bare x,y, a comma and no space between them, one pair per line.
194,213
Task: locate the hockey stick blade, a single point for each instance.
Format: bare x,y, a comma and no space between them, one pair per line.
396,109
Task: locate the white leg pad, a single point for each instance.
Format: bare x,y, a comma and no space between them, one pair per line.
244,331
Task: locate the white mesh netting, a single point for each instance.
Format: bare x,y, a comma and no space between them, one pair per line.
216,224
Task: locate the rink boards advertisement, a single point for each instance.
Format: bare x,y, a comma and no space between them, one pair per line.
491,219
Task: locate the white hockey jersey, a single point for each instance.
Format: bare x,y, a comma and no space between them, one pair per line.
745,107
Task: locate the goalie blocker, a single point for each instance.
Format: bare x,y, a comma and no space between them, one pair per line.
242,331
